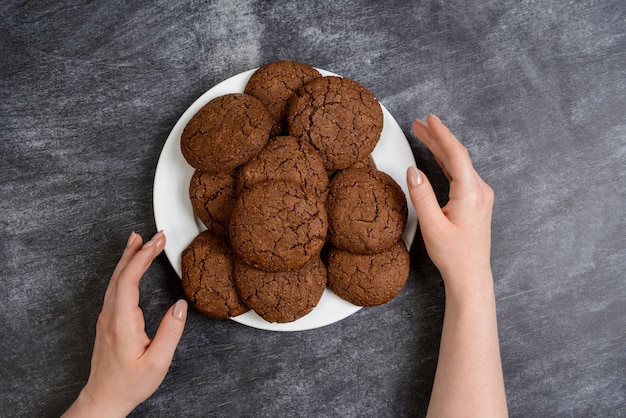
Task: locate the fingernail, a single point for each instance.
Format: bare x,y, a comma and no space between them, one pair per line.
131,239
435,117
414,177
154,240
180,309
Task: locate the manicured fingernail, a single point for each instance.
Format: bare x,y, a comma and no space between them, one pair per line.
435,117
180,309
154,240
131,239
414,177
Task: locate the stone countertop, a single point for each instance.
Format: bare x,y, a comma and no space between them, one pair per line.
536,91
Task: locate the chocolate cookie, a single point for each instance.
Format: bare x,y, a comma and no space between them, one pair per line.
226,133
367,211
364,163
368,280
282,296
286,158
274,83
207,277
277,226
339,117
213,198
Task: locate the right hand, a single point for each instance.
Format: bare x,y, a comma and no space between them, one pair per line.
458,236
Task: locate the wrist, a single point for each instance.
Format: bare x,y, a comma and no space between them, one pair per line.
471,287
86,405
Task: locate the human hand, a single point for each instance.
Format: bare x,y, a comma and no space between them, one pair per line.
126,366
458,236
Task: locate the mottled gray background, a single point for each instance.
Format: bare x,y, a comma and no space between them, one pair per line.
536,90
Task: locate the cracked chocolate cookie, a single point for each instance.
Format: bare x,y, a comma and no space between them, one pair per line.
213,198
207,277
367,211
339,117
225,133
286,158
274,83
277,226
368,280
365,163
282,296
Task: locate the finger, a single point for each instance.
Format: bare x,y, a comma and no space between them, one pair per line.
128,282
454,156
424,201
141,260
442,165
132,246
163,346
423,133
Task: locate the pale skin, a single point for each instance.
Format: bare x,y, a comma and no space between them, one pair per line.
127,366
468,380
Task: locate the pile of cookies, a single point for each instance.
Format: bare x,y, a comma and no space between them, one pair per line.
290,199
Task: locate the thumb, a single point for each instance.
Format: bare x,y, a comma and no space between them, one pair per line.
168,335
423,198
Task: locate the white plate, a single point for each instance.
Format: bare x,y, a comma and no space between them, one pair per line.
174,215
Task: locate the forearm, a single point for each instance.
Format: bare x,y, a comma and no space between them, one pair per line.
468,380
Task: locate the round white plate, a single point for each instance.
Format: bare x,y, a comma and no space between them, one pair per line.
174,215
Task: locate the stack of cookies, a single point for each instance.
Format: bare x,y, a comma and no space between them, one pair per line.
290,199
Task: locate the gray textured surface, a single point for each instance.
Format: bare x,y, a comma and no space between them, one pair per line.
536,90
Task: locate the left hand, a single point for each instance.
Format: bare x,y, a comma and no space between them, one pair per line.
126,366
